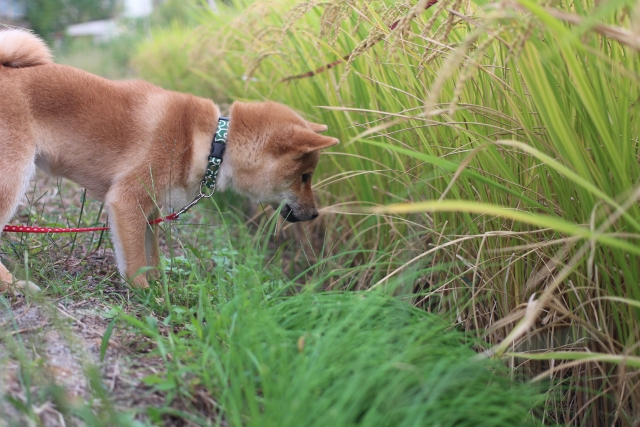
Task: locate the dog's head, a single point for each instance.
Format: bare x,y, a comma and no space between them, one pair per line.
273,153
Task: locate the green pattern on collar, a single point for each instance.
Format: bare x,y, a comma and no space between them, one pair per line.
211,174
223,131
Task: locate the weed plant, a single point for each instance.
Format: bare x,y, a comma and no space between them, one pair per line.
489,165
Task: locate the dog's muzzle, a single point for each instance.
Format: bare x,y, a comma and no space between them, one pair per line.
290,215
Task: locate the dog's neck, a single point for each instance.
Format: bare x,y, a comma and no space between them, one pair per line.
224,176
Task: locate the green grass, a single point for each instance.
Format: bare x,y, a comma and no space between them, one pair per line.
234,343
525,127
330,359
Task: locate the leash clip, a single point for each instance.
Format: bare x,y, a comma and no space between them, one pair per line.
176,216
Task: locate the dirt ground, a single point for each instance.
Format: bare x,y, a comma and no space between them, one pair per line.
50,345
61,343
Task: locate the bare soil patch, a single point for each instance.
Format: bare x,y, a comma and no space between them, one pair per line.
50,344
57,344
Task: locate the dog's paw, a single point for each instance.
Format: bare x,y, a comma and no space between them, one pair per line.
27,286
140,282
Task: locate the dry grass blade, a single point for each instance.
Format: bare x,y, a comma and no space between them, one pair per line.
622,35
374,37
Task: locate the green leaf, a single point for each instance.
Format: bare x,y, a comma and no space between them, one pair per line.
105,339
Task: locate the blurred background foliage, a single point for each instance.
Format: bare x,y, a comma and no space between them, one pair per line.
50,16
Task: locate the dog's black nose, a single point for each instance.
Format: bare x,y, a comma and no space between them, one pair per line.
288,214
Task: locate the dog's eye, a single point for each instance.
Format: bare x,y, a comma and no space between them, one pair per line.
306,177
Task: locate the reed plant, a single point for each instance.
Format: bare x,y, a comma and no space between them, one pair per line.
489,168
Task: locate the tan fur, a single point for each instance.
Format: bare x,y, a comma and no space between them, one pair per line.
22,49
139,147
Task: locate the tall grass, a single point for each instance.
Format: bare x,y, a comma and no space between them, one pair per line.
489,165
232,345
237,352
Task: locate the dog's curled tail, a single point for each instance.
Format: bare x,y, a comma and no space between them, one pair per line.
20,48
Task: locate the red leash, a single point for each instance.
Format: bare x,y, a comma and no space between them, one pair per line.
46,230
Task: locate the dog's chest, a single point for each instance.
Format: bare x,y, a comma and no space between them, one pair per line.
178,197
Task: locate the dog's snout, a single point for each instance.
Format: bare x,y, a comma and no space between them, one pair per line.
294,214
288,213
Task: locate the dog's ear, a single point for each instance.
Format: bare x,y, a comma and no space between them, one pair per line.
318,128
310,141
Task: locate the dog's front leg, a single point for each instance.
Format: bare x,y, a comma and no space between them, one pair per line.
128,215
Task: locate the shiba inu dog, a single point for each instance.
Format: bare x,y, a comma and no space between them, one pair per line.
140,148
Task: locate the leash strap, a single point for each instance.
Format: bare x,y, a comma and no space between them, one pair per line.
208,182
47,230
56,230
